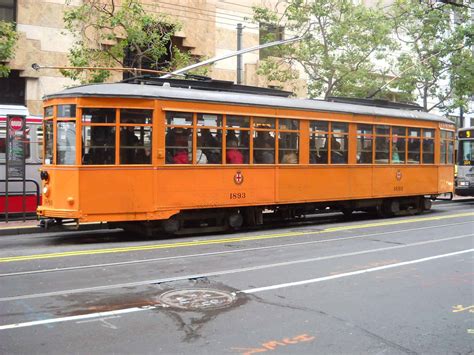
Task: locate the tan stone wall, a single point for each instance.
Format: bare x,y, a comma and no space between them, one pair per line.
208,28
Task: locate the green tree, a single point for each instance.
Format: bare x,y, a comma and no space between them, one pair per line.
342,40
109,35
436,60
8,39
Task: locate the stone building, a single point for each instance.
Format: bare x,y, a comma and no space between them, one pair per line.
209,29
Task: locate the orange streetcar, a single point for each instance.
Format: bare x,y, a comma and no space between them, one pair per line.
172,155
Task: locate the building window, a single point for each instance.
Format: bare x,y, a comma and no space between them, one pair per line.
12,88
8,10
269,33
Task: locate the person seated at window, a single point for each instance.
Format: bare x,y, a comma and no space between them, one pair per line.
265,155
181,155
233,155
128,140
208,140
395,155
290,158
337,156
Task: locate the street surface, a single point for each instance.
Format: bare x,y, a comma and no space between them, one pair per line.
326,286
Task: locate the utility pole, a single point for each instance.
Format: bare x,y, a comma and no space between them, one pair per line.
240,70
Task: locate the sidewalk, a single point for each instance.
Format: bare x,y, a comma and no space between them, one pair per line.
32,226
19,227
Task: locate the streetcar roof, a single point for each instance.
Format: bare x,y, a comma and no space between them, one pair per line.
125,90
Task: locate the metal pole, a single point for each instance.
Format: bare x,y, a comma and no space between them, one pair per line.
239,56
7,177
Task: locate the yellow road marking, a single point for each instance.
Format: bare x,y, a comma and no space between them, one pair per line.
226,240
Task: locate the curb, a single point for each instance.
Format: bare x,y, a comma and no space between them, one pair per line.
17,230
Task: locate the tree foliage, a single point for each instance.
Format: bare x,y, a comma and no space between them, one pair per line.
109,35
8,39
436,62
409,49
341,42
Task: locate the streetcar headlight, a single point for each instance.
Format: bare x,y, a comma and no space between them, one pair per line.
46,190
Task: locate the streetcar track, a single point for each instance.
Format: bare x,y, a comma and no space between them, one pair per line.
240,239
224,272
218,253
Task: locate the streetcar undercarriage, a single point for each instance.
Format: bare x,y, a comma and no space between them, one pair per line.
225,219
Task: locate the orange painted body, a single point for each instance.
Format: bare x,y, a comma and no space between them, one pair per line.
159,190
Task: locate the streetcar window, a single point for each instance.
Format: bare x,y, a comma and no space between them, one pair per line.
398,145
288,147
98,145
135,136
447,147
237,139
382,144
48,142
135,144
364,143
288,124
66,111
209,120
136,116
237,121
66,143
428,146
237,146
318,148
179,118
321,126
98,115
339,143
209,146
414,148
265,123
39,142
288,141
179,145
264,141
450,152
48,111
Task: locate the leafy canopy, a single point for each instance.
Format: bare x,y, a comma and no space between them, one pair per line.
341,41
8,39
437,60
120,36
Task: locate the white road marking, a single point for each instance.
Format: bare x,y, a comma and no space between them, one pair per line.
253,290
223,272
359,272
74,318
284,245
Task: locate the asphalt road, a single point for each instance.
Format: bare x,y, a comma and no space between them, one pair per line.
325,286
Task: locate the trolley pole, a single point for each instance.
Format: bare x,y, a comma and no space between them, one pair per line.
239,56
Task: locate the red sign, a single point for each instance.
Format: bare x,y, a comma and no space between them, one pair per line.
16,123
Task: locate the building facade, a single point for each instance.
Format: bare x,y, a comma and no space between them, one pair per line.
209,28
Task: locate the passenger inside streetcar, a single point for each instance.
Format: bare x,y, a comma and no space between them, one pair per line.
233,155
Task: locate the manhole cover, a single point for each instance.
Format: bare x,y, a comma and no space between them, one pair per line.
197,299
